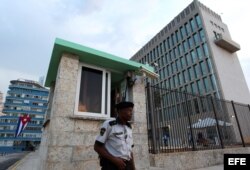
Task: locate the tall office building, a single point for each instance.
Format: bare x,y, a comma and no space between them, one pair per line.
195,53
25,97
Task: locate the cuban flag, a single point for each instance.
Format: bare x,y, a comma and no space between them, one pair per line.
22,123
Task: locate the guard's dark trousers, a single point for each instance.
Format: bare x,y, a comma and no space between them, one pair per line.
108,165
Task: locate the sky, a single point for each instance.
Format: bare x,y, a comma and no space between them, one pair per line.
28,29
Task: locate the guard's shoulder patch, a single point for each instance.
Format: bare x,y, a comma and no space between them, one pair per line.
102,131
129,125
113,122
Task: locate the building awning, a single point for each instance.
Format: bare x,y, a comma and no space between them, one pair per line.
117,65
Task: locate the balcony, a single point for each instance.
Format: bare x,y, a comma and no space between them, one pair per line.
19,91
14,124
20,138
6,111
226,44
16,117
27,98
26,87
24,104
25,131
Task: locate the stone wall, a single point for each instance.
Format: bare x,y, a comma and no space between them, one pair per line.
67,141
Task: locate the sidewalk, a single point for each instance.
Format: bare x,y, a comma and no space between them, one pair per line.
31,162
217,167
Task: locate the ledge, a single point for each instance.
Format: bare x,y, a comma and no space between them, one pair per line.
83,117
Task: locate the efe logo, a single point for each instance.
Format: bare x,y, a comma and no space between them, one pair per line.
236,161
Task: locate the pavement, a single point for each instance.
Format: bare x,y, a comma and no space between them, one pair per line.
9,159
31,162
217,167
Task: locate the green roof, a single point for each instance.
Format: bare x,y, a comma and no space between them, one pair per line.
118,66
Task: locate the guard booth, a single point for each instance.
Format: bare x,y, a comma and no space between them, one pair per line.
85,84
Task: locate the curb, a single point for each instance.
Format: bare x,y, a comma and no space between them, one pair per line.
15,165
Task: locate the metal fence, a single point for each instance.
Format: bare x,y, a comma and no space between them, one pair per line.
179,121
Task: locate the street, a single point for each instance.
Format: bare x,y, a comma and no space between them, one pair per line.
7,160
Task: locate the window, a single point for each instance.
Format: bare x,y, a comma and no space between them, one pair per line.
185,44
172,83
173,39
188,30
163,60
196,39
183,32
198,21
173,67
205,49
171,55
176,51
197,71
186,77
92,92
193,26
194,57
180,49
188,59
183,62
199,53
200,87
209,65
191,73
194,88
169,69
166,72
164,45
178,63
180,78
202,35
213,81
176,79
207,84
177,36
161,48
167,58
169,42
190,41
203,68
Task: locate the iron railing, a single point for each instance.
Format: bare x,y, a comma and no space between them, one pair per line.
179,121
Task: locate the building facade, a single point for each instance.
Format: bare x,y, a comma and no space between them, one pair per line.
24,97
195,53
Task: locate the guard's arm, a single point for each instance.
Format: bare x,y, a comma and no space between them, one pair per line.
101,150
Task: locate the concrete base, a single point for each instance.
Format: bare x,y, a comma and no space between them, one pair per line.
193,160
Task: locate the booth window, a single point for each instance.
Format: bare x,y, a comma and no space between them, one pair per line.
93,92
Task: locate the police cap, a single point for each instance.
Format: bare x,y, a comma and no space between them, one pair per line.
124,104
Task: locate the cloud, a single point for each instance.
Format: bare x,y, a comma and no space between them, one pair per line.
29,28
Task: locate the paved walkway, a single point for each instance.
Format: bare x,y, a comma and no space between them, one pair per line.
31,162
217,167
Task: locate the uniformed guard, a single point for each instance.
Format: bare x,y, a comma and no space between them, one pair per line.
114,143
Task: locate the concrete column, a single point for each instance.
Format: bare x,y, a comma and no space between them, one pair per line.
140,134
